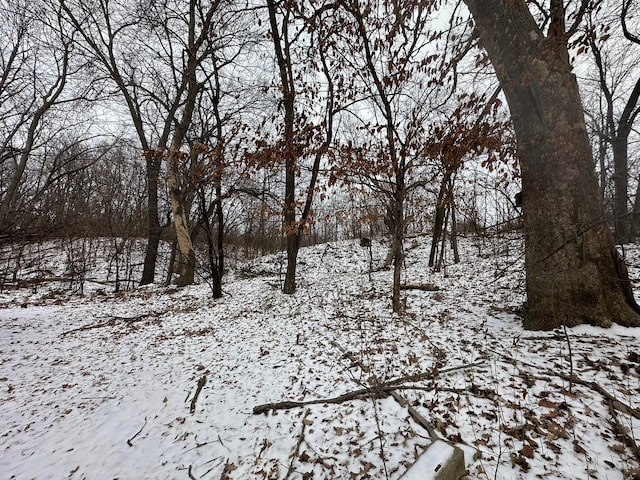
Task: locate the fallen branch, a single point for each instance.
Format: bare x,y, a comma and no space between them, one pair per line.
432,374
109,323
27,282
613,401
201,383
619,432
113,320
363,392
34,281
617,404
137,433
419,419
425,287
380,391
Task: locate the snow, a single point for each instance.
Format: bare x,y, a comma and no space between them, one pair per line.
100,385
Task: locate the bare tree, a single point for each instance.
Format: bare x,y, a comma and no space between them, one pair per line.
161,85
613,67
109,40
288,22
474,129
402,86
35,71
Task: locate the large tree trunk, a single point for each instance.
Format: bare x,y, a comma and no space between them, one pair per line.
186,254
573,272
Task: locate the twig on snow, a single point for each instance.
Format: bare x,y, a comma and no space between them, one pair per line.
570,358
297,449
617,404
201,383
381,440
619,432
137,433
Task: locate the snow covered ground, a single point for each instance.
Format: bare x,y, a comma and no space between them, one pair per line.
105,385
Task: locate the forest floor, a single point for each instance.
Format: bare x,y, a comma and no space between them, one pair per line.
161,383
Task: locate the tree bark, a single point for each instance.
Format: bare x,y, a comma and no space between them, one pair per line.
621,217
175,182
153,224
213,256
572,267
281,47
185,254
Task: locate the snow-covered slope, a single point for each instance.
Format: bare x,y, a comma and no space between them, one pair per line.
102,385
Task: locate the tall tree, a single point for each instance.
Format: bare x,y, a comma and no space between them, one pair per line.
197,48
398,98
574,274
628,11
34,74
289,23
108,39
618,124
282,48
160,84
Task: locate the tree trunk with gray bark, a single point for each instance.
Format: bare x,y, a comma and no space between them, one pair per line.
574,274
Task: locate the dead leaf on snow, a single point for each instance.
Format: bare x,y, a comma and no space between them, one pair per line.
526,451
547,403
578,448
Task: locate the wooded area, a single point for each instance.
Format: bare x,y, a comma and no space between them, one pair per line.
265,126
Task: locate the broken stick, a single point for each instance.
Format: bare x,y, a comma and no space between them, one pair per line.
425,287
137,433
201,383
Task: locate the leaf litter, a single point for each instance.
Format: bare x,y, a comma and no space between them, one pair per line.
101,385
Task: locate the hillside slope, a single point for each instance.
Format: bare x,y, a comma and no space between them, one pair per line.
102,385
